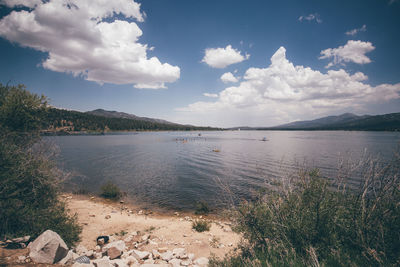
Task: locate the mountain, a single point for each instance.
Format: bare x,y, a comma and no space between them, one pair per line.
347,121
324,122
123,115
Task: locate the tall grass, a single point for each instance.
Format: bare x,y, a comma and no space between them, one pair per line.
314,221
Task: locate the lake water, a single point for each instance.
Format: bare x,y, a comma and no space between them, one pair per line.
177,169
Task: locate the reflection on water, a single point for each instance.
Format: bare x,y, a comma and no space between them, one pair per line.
176,169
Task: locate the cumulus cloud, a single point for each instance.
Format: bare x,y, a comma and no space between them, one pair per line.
311,17
223,57
228,77
210,95
283,90
352,51
83,38
355,31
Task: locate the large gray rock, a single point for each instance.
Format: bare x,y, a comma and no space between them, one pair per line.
48,248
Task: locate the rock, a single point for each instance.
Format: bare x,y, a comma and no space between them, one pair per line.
48,248
21,239
162,250
179,252
119,263
230,245
156,254
120,245
140,255
167,256
191,256
131,260
81,250
107,217
186,262
98,255
149,261
201,261
114,253
145,237
175,262
69,259
21,259
155,265
103,262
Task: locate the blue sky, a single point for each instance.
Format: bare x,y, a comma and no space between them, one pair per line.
219,63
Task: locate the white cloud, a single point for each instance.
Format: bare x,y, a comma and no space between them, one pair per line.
355,31
80,41
223,57
311,17
210,95
228,77
282,92
352,51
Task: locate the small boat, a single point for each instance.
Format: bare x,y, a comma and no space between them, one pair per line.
264,139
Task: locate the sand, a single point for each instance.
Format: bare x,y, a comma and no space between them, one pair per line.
171,230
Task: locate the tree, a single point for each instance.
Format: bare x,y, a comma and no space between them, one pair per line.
29,179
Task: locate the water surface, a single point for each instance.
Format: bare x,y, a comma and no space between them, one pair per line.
176,169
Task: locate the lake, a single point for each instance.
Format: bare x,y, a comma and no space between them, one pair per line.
174,170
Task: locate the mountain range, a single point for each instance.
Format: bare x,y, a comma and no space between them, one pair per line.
123,115
346,121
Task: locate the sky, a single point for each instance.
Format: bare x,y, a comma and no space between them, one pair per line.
207,63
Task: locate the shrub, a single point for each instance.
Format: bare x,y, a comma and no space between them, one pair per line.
202,208
110,191
201,225
316,222
29,179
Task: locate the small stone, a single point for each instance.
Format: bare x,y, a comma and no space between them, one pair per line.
179,252
175,262
230,245
119,263
145,237
21,258
107,217
186,262
201,261
149,261
92,215
156,254
140,255
162,250
191,256
114,253
167,255
103,262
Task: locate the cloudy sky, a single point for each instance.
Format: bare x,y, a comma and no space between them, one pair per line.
218,63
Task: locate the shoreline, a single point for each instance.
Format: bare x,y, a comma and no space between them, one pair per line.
168,229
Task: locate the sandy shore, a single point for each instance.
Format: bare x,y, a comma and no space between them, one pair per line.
101,217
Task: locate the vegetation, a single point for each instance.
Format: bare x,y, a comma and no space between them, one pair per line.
311,221
202,208
29,202
110,191
201,225
66,121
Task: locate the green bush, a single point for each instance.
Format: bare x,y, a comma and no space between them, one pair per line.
110,191
201,225
317,222
202,208
29,179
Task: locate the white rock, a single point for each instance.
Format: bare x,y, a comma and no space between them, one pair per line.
81,250
48,248
131,260
156,254
77,264
140,255
145,237
186,262
119,263
21,259
201,261
162,250
179,252
175,262
149,261
103,262
191,256
167,255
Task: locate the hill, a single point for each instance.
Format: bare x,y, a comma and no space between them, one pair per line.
347,121
61,121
